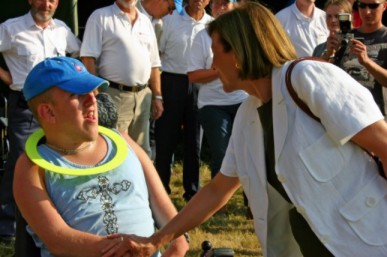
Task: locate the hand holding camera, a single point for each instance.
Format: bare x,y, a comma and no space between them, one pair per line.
338,39
356,44
333,44
359,49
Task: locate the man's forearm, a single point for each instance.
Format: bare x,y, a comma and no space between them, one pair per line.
155,82
378,72
90,64
5,76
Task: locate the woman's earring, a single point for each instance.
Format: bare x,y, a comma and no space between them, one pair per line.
237,66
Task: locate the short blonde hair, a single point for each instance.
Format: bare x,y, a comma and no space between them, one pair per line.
343,4
256,37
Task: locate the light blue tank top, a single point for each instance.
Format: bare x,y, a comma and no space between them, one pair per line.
116,201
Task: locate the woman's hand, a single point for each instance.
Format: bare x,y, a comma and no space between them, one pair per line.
333,44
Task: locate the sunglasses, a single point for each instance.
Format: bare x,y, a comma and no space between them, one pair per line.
371,6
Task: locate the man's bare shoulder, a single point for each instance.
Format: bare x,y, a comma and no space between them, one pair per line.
25,165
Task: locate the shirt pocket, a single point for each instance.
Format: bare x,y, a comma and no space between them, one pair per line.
366,212
61,51
29,54
27,50
323,159
145,40
58,45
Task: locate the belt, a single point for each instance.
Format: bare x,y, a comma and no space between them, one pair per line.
15,91
121,87
174,74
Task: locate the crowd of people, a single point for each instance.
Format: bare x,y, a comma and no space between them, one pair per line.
175,72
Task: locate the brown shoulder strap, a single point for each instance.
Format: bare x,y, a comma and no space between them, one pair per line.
306,109
291,90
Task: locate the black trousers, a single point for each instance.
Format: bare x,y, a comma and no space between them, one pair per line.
309,243
178,120
20,125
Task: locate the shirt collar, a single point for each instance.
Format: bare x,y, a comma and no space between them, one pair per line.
189,18
118,11
299,15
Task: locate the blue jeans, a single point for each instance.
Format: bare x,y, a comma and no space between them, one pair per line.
217,124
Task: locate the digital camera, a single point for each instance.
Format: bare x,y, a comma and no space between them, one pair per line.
345,21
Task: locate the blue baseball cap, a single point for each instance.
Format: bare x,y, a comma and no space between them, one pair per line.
67,73
179,6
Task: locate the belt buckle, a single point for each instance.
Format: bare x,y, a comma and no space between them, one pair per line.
135,89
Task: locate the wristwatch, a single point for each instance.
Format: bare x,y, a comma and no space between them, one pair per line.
158,97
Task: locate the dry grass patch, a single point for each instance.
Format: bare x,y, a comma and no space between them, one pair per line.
230,229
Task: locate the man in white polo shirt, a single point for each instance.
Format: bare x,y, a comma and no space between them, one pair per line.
120,45
305,25
180,97
155,10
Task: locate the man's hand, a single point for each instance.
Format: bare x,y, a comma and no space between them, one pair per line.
157,108
360,50
131,245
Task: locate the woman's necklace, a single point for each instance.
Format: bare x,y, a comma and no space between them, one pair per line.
71,151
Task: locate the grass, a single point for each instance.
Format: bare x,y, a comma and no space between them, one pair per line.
230,229
6,250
